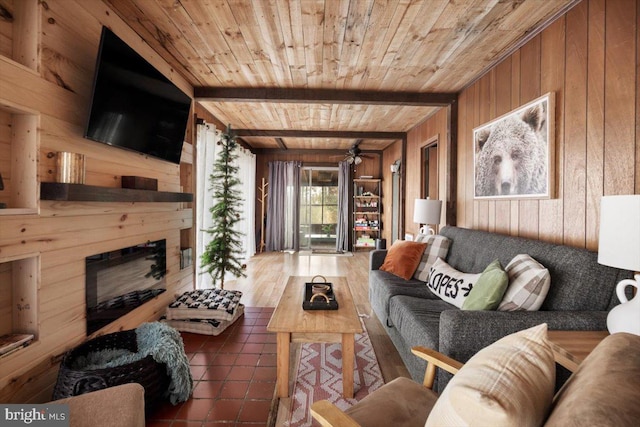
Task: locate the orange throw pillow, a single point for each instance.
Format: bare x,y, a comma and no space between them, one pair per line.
403,258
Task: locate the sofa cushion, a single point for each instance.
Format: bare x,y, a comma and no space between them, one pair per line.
489,289
604,390
403,258
437,247
509,383
529,283
383,286
402,400
417,320
449,284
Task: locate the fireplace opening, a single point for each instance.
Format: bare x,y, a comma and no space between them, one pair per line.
122,280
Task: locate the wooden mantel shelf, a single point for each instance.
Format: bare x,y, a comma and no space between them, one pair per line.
92,193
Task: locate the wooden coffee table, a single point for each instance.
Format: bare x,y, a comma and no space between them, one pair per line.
293,324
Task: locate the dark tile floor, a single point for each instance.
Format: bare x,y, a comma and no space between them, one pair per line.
234,376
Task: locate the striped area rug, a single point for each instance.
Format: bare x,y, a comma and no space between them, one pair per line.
319,377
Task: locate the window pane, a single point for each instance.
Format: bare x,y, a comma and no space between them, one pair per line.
316,214
304,196
316,195
330,215
331,195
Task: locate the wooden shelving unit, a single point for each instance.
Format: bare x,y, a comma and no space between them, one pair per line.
92,193
18,165
367,208
19,145
19,278
187,184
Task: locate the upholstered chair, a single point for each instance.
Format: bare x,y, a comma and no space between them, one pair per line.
508,383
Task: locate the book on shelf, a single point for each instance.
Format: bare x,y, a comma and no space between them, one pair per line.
365,240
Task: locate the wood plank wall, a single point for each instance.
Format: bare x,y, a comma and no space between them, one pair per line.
389,156
589,58
435,126
57,90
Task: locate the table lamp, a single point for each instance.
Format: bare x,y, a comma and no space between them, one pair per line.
619,246
427,211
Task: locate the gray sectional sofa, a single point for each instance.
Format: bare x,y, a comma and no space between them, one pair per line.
581,294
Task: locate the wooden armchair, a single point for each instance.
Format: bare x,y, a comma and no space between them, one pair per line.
510,382
401,400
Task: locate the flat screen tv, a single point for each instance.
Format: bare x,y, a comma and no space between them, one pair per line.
134,106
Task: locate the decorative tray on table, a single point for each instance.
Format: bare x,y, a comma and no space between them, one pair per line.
319,295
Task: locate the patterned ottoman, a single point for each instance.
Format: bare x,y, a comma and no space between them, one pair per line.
205,311
205,326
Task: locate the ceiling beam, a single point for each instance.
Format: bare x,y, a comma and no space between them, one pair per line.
244,144
321,151
321,96
281,144
338,134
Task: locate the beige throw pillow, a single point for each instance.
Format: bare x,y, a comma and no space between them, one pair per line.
509,383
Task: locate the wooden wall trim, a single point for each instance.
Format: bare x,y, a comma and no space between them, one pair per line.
451,159
403,189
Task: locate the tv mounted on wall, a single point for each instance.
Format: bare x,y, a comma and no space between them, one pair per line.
134,106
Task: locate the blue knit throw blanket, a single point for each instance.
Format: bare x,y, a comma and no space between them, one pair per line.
163,343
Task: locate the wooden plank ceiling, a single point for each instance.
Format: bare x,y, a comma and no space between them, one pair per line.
332,66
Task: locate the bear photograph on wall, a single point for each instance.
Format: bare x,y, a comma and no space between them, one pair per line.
514,154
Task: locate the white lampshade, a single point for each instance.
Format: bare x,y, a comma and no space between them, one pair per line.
427,211
620,247
619,244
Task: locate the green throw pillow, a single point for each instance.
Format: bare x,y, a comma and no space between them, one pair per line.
488,291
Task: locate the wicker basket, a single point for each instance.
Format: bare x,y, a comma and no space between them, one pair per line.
147,372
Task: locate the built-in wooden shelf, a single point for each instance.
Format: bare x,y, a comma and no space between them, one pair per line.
91,193
20,211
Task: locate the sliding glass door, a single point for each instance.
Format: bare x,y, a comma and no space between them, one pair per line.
318,208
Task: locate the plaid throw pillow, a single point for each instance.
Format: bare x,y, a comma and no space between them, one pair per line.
529,283
437,247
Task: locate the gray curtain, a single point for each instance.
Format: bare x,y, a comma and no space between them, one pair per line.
342,230
283,206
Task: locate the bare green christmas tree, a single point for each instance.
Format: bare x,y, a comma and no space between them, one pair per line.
223,253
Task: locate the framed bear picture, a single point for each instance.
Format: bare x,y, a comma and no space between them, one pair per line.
514,154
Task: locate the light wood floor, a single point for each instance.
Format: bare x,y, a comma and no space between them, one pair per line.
267,274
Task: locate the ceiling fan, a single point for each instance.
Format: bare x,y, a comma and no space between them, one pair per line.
354,155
